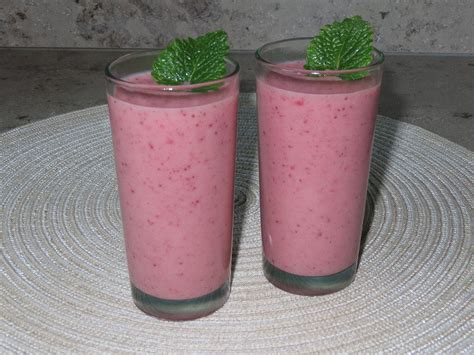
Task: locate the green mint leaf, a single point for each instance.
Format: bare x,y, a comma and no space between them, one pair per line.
192,60
342,45
353,76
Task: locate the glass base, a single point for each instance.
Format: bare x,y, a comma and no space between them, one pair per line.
181,309
308,285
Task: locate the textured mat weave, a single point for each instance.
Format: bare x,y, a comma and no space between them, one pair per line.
64,282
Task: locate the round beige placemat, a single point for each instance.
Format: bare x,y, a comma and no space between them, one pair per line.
64,277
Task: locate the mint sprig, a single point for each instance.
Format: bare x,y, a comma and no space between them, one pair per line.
342,45
192,60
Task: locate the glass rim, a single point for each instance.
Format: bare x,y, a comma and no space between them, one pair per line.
162,87
377,61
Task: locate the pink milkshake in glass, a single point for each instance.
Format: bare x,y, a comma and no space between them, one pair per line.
174,150
315,141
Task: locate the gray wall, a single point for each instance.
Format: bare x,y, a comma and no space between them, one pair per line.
442,26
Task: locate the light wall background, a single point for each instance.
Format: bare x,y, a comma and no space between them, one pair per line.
436,26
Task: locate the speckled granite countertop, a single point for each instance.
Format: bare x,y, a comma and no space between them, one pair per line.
431,91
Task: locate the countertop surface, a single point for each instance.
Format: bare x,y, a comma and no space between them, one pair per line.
435,92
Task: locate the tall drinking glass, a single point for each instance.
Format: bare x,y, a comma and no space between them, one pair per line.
316,132
174,152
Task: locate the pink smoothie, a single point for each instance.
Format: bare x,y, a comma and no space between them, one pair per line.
174,158
315,142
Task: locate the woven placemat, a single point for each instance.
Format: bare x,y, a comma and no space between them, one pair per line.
64,280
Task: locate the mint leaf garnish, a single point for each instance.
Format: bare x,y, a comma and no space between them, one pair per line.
192,60
342,45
